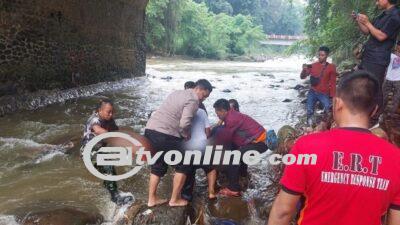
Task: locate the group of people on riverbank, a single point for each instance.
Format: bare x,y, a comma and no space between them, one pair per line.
357,176
380,56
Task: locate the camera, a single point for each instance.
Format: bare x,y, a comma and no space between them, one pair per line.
355,13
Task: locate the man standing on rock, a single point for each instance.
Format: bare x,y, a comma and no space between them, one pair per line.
167,127
323,83
356,177
382,33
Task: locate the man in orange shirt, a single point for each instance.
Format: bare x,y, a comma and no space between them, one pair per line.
323,83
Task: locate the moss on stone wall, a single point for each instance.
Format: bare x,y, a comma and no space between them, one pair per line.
48,44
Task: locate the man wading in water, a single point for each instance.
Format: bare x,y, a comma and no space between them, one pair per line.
99,123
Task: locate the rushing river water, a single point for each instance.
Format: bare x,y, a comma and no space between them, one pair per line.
37,173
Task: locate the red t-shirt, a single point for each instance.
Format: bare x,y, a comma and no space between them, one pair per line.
327,84
355,180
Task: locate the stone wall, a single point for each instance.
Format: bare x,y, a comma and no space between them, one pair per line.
58,44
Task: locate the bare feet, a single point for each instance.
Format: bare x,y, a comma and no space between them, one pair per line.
178,203
156,202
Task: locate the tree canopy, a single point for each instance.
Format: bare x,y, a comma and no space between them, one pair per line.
329,22
218,28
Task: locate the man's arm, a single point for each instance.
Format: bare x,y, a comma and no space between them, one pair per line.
364,29
188,113
97,129
283,209
378,34
394,217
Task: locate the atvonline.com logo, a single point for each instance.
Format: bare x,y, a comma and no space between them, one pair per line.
124,156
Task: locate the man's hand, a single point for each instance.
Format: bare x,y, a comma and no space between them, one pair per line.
305,72
363,19
393,217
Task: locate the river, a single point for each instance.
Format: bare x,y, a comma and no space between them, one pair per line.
38,173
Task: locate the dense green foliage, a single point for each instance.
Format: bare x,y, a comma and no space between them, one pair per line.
276,16
189,28
217,28
329,22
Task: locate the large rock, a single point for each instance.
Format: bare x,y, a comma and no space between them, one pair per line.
162,215
65,216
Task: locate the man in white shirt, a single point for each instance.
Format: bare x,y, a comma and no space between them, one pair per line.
391,89
200,131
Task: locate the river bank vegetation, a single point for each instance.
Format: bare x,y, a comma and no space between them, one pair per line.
329,22
218,28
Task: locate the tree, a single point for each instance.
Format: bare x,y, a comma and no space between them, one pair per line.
329,23
276,16
192,29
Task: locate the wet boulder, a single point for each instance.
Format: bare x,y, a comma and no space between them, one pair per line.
163,214
167,78
63,216
268,75
287,100
298,87
234,209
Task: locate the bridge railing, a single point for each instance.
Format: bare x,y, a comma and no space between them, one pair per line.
284,37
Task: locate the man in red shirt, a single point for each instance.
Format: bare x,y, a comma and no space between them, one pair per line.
244,133
323,83
356,178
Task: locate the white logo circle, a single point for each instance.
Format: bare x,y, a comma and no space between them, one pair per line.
88,161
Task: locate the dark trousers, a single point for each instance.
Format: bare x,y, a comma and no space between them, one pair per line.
111,186
187,190
234,171
379,71
164,142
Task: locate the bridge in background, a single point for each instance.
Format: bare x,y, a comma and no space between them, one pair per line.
282,40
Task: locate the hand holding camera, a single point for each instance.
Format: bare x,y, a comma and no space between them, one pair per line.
354,14
363,19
